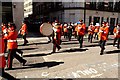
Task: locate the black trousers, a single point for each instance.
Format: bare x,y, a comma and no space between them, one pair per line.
96,35
11,55
25,40
69,35
17,50
118,44
80,39
115,39
65,35
5,43
56,45
6,75
102,45
90,37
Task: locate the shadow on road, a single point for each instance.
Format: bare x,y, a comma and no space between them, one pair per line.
38,43
112,52
92,45
35,43
28,48
73,50
40,65
36,55
46,64
70,43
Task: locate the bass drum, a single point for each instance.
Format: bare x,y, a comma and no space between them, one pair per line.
46,29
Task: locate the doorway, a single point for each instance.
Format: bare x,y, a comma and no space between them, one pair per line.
112,25
96,20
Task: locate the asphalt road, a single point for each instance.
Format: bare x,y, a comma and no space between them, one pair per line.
69,62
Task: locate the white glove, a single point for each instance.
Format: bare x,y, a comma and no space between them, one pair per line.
4,31
54,29
117,32
6,35
100,31
89,29
79,27
104,32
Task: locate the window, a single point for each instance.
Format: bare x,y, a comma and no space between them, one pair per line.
96,20
100,6
88,5
90,19
108,19
112,24
93,5
102,19
106,3
117,6
110,6
117,21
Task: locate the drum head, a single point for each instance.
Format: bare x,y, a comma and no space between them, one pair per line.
46,29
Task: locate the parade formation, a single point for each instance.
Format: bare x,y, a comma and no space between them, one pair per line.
54,31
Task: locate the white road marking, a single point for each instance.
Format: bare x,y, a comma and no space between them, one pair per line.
44,74
96,75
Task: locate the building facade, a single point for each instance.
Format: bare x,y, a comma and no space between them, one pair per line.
74,11
18,13
28,7
7,12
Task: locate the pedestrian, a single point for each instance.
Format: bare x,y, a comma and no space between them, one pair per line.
91,29
56,37
12,47
103,36
116,32
97,26
3,61
23,31
81,32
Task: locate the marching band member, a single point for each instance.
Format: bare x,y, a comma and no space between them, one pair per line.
61,32
81,32
103,36
5,32
97,26
12,46
69,28
3,61
56,37
116,32
91,29
65,30
23,31
75,30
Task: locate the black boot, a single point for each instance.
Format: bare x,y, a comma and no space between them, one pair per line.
102,50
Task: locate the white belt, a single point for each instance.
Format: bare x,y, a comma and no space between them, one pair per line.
1,54
12,40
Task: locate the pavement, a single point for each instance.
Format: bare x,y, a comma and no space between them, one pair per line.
69,62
